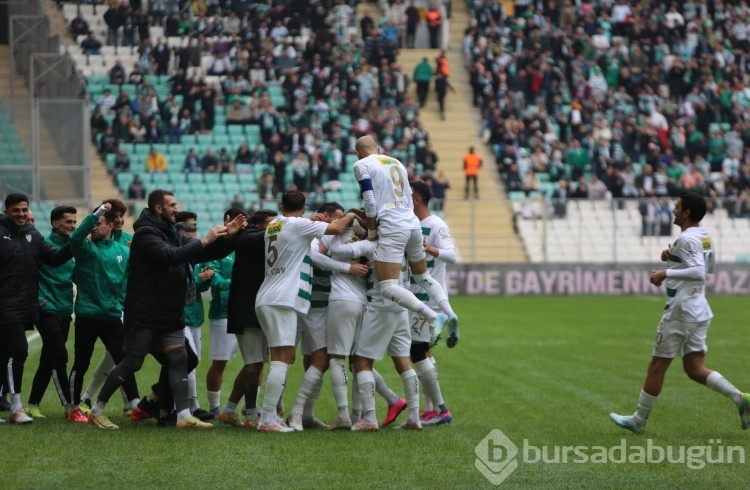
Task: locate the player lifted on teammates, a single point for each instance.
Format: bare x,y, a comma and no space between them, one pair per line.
686,318
390,219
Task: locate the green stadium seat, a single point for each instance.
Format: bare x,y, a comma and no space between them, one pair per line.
212,178
160,180
517,195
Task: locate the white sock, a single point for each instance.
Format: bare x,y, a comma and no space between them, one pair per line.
275,381
403,297
99,377
339,382
309,411
429,381
446,307
366,384
15,402
411,388
193,392
356,400
183,414
98,408
719,383
645,404
214,399
132,404
383,389
434,290
307,387
230,407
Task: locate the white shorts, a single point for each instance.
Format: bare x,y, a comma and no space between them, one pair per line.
253,346
344,320
384,332
193,335
675,339
420,328
391,247
311,328
279,324
223,344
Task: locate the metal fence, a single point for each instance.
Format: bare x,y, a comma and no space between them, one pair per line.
46,104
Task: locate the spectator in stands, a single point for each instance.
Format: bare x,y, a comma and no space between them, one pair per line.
128,26
582,189
137,132
423,74
123,105
122,164
114,19
597,189
237,203
79,26
117,73
158,9
237,113
560,198
142,25
154,133
155,162
187,122
412,22
202,123
91,45
226,164
209,162
98,124
266,187
530,181
109,143
136,190
438,185
244,155
136,76
513,181
441,89
192,163
161,54
106,102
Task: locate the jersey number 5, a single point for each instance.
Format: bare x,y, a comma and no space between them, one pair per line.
273,252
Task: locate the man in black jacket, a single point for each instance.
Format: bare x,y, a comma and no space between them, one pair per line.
21,249
114,19
248,273
158,284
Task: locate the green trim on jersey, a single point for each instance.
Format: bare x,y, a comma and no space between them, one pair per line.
673,258
426,231
318,303
671,293
303,294
422,296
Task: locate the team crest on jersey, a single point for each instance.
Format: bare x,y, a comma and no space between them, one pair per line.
444,232
28,237
119,259
706,243
274,228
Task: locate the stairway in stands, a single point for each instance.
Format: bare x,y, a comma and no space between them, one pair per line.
482,229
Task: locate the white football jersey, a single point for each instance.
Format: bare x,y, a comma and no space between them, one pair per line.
437,234
345,286
686,299
288,280
390,184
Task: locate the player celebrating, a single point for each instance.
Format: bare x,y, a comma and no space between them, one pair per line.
286,291
439,246
389,209
686,318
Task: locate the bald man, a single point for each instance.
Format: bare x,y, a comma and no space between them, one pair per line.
391,220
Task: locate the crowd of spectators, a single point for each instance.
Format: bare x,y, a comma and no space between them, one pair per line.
336,86
636,98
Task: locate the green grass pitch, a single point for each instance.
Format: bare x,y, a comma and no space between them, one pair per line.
547,370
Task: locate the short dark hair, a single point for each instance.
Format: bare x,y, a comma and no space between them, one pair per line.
181,216
695,203
156,198
261,215
422,190
183,227
293,200
232,213
58,213
15,198
117,206
330,207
